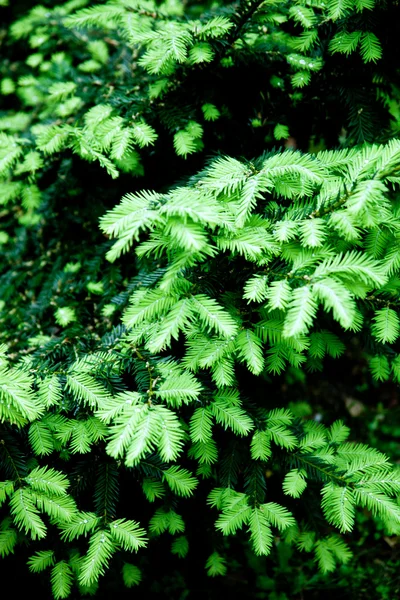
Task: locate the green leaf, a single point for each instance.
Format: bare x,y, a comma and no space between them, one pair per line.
379,366
171,440
58,508
301,312
26,515
128,534
213,315
339,8
232,417
338,432
180,546
166,521
86,389
136,431
216,565
279,294
16,394
204,452
353,266
371,49
61,580
210,112
134,213
338,506
122,143
282,436
335,296
261,445
181,481
339,549
178,387
8,538
281,132
143,134
345,42
131,575
201,425
144,437
50,393
173,322
277,515
295,483
6,489
65,315
41,560
152,489
386,325
313,232
301,79
379,504
260,532
324,556
285,230
82,523
250,350
95,563
48,480
234,518
59,91
184,143
202,52
255,289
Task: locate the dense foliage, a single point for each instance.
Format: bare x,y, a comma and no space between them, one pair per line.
149,343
